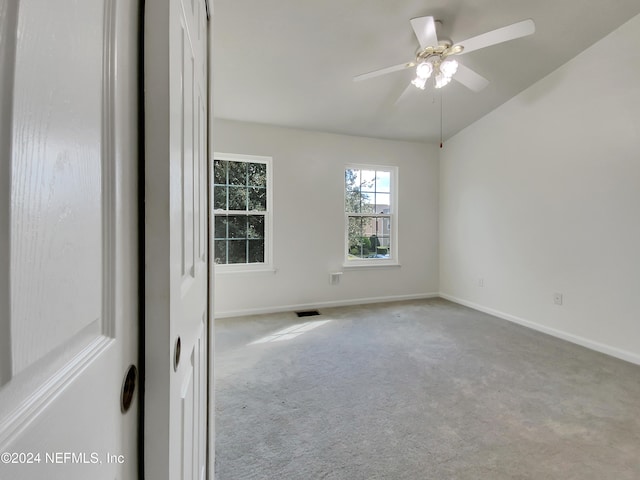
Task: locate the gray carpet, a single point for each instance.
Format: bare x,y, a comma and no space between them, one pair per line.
418,390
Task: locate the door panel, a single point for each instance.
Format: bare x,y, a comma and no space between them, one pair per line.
191,324
69,328
193,412
176,289
56,205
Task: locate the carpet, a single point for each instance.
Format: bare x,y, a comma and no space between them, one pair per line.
418,390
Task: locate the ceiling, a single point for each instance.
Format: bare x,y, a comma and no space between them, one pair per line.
291,62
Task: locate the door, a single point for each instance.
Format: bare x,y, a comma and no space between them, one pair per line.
68,238
176,267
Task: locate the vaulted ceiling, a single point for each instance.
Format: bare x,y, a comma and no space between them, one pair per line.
291,62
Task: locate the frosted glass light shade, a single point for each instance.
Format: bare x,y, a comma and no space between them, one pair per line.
424,70
419,82
441,80
449,67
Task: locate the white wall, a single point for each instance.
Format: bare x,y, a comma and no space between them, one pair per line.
543,195
308,182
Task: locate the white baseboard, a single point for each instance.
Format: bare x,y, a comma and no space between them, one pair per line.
333,303
585,342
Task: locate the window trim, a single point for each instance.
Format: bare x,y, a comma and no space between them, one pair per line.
393,260
267,265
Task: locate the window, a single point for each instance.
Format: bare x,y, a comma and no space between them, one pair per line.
370,223
242,211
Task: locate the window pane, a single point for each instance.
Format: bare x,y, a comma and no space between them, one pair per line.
351,178
220,197
219,172
367,202
237,198
237,173
383,202
220,251
220,229
377,226
381,238
383,181
258,199
237,251
385,229
355,234
256,251
369,225
257,174
256,227
359,237
352,201
237,226
368,180
352,191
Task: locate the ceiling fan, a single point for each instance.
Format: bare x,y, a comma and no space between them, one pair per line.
433,58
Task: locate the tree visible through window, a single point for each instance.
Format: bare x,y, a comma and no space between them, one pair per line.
369,207
241,210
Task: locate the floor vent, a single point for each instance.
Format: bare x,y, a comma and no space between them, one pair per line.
308,313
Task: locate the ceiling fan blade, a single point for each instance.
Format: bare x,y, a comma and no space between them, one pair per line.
410,88
504,34
470,79
425,30
383,71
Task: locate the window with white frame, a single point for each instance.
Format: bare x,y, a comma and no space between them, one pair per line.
242,211
370,215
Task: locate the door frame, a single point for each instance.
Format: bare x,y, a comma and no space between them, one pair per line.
211,399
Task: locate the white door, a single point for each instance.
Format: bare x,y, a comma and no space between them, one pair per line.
177,323
68,238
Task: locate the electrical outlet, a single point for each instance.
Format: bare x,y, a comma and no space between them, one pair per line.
557,298
481,282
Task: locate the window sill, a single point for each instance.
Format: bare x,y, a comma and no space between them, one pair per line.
364,266
243,269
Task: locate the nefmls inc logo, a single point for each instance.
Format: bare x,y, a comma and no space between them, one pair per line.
72,457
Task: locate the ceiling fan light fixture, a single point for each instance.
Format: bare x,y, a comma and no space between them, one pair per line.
449,68
419,82
441,80
424,70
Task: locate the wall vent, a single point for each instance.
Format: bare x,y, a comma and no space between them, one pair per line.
308,313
